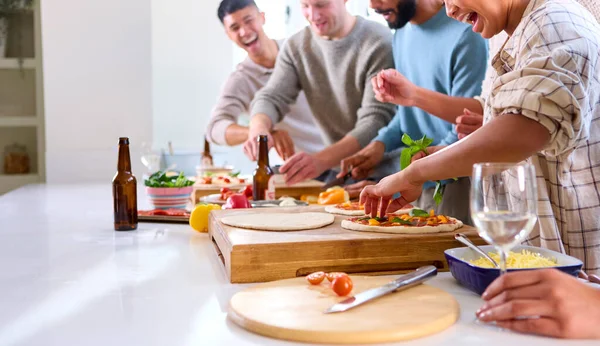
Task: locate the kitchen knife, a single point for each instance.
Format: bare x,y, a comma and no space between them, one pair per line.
403,282
338,181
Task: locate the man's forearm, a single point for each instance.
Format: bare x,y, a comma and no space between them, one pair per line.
443,106
236,134
508,138
261,121
334,154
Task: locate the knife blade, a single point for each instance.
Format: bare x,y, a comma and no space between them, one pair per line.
338,181
403,282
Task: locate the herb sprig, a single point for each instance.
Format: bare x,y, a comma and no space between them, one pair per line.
412,148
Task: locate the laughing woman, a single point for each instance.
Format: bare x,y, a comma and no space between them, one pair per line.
543,107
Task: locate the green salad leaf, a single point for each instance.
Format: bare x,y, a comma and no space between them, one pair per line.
162,179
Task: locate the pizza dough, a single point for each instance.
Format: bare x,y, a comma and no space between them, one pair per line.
353,226
332,209
280,222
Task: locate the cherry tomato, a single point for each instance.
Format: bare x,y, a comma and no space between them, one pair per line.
247,191
333,275
342,285
225,192
242,181
316,278
227,180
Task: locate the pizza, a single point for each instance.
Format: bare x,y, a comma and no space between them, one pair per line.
347,208
222,180
412,222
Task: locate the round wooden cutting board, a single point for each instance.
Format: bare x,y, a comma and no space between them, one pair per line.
293,310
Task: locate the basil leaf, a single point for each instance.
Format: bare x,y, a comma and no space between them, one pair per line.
363,219
235,175
399,220
407,140
405,158
381,219
418,213
438,194
427,141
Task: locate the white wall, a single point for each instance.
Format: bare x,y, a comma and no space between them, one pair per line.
191,58
97,84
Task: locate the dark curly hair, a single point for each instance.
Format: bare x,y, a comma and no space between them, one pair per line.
230,6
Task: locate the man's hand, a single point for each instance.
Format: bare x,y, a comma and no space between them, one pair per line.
251,145
355,189
377,199
390,86
468,123
284,145
363,162
546,302
301,167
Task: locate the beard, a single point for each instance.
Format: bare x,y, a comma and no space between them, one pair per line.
405,11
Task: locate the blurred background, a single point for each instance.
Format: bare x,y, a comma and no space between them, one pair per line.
76,75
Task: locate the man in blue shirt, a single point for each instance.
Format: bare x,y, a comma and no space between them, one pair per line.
436,53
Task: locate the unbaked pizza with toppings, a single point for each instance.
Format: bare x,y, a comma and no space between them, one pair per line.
222,180
414,221
347,208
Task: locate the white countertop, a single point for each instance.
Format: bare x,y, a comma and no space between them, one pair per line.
67,278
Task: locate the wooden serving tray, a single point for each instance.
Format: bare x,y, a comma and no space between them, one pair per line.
259,256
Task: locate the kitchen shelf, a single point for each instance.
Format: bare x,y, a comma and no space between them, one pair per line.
18,121
13,63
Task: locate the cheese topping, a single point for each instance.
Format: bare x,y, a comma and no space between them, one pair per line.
523,260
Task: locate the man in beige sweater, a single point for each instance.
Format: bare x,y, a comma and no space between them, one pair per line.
332,61
243,24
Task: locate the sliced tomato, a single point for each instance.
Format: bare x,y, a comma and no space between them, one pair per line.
176,212
333,275
207,180
242,181
227,180
158,212
225,192
342,285
316,278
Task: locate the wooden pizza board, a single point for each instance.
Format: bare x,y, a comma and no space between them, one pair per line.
259,256
293,310
309,187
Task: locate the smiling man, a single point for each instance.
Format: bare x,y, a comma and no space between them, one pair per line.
436,53
332,61
243,24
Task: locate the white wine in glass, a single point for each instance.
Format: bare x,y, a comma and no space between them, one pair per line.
504,204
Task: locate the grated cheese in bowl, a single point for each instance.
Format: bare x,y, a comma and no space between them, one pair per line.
523,260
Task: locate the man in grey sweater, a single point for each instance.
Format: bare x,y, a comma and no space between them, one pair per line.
243,24
333,62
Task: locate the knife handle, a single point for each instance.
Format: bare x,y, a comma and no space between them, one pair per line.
415,278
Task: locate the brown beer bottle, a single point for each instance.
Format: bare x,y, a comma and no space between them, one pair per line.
124,187
207,159
263,183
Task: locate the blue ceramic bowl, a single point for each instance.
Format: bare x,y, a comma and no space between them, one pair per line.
477,279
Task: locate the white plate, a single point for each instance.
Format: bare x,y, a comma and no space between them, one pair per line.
213,199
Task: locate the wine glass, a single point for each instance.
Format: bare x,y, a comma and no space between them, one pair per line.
503,204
